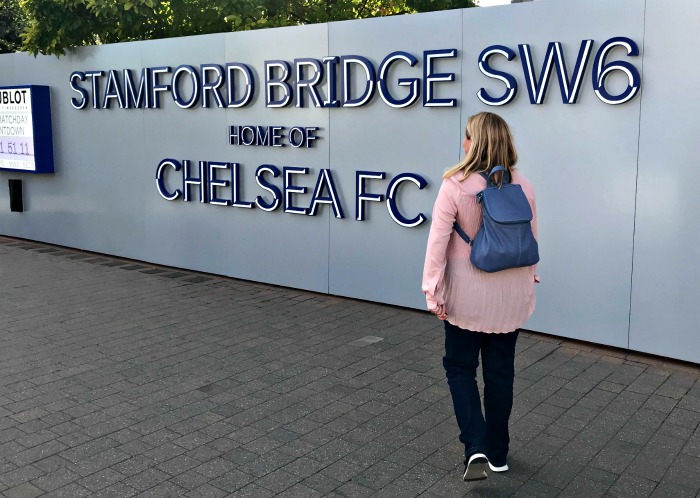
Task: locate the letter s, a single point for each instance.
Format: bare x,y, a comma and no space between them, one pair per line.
80,76
507,79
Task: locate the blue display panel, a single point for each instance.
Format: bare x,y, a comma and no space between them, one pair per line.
25,129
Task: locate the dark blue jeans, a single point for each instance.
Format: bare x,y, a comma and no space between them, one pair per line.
478,434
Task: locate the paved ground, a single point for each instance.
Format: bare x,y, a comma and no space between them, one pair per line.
120,379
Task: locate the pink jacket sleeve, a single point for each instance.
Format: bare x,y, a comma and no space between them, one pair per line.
533,224
444,215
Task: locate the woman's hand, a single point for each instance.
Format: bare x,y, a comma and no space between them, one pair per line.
440,311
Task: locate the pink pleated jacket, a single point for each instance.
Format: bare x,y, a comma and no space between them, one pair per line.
475,300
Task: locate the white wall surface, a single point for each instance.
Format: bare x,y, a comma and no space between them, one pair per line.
615,183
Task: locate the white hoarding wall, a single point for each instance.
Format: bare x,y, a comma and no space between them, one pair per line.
310,156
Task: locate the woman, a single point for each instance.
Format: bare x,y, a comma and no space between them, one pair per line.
482,311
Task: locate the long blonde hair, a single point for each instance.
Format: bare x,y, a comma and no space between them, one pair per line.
492,145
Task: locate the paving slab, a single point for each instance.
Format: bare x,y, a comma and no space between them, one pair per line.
124,378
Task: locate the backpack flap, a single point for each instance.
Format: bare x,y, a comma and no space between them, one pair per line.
507,204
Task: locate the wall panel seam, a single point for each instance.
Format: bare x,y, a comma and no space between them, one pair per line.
636,177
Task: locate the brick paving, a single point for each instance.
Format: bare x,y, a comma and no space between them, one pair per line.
120,379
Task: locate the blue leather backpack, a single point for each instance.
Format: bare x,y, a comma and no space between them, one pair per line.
505,238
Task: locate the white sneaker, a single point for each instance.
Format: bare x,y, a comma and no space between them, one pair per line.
503,468
476,467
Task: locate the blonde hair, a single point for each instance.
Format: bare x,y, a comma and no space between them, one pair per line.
492,145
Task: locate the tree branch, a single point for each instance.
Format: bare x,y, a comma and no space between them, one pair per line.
360,13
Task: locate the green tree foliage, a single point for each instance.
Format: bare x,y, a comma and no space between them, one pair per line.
55,25
12,22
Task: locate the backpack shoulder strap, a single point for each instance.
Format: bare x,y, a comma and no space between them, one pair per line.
462,233
496,169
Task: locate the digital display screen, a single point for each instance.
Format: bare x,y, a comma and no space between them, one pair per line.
25,126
